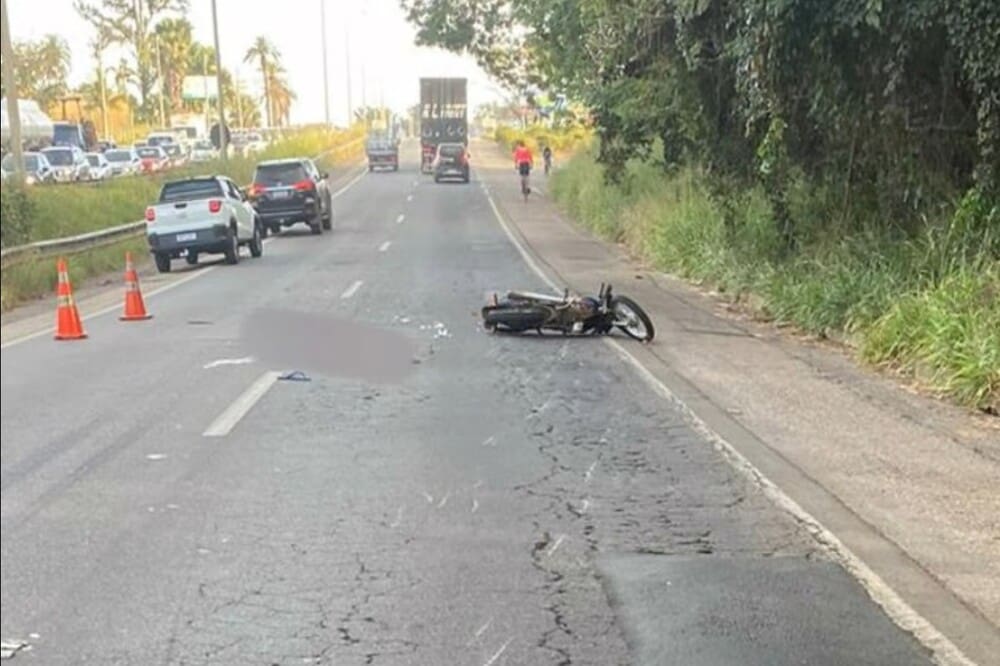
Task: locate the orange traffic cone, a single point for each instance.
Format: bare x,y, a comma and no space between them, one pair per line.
135,309
68,325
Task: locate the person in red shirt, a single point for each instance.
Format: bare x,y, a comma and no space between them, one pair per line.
523,161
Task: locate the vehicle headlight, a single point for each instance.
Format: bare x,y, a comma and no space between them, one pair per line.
29,180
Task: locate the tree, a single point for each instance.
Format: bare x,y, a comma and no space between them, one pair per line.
129,22
43,67
281,94
264,53
175,40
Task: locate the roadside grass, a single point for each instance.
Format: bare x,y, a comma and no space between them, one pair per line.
36,277
926,305
40,213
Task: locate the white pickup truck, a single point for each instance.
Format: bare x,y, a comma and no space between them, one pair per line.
209,214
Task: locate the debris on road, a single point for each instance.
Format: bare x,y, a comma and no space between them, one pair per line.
10,648
295,376
228,361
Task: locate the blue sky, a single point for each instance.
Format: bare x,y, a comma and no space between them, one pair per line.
378,34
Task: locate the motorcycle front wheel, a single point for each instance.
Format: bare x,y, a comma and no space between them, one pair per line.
632,319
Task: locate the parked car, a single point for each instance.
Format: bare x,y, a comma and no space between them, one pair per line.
203,151
209,214
124,161
290,191
100,167
451,161
175,153
69,163
106,145
36,168
153,158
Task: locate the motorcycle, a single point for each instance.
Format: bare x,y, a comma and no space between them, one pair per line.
523,311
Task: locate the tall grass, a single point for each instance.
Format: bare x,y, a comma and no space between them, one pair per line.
927,304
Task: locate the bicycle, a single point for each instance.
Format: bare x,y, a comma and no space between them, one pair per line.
525,171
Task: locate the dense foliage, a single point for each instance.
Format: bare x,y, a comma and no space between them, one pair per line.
889,106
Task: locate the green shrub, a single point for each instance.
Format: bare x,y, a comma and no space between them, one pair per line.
927,303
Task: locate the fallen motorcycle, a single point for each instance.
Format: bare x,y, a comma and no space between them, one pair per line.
523,311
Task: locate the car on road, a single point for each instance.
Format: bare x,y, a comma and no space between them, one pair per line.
451,161
204,215
69,163
153,158
382,151
37,169
123,161
175,153
100,167
292,191
203,151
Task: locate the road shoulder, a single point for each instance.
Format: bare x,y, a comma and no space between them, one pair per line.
906,483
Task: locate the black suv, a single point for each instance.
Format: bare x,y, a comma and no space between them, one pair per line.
286,192
452,161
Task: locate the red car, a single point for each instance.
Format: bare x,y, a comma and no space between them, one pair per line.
152,158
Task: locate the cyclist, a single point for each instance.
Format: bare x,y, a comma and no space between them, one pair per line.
547,156
523,161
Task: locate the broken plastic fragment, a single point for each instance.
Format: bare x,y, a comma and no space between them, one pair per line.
295,376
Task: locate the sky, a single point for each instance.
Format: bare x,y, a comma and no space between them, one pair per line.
375,32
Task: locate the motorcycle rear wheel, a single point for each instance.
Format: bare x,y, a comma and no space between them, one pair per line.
517,319
632,319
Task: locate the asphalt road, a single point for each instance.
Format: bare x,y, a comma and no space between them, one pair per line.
433,495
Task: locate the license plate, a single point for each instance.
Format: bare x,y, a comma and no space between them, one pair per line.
181,238
280,194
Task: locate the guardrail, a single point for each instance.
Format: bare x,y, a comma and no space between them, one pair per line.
12,256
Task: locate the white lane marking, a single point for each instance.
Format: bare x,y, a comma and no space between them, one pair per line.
427,496
399,220
201,272
480,630
490,441
898,610
475,505
555,546
444,500
590,470
583,507
228,361
350,291
156,456
384,246
228,419
498,653
409,197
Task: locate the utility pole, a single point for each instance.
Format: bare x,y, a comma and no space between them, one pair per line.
326,74
223,140
13,110
159,75
347,60
104,97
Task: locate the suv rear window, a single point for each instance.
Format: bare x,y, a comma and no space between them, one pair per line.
452,151
190,190
280,174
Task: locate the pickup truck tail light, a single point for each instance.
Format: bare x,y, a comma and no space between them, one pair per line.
150,214
214,205
305,186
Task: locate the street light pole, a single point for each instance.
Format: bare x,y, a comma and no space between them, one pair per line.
223,140
347,60
13,109
326,74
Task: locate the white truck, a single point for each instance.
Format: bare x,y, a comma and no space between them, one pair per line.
204,215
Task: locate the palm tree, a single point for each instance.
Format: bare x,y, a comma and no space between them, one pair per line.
265,54
281,94
174,35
